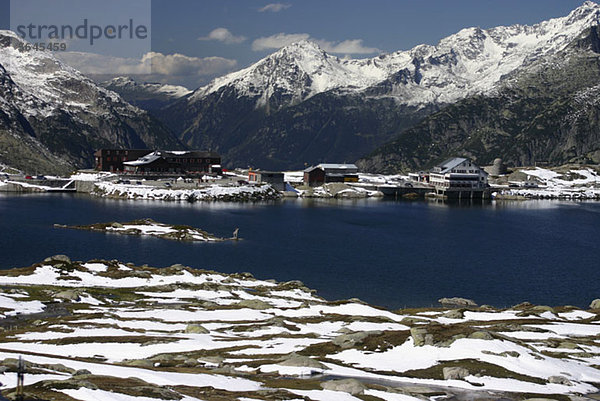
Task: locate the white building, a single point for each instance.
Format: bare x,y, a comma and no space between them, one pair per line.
458,177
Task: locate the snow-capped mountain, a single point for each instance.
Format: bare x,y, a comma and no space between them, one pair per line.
54,112
148,96
471,61
301,105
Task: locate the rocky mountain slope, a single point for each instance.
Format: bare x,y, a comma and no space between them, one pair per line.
148,96
52,117
301,105
551,114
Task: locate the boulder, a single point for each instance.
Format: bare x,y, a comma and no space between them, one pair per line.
481,335
457,301
58,258
351,386
346,341
59,367
254,304
559,380
82,372
543,308
455,373
139,363
194,328
568,345
116,225
211,361
68,295
454,314
421,337
302,361
595,304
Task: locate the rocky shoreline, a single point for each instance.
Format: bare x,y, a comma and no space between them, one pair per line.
152,228
178,333
224,193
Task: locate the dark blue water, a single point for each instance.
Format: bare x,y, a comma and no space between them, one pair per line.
393,254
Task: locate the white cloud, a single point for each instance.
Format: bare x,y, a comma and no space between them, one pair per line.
274,7
352,46
154,66
223,35
180,64
279,40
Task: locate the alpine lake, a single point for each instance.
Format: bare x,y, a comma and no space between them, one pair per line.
389,253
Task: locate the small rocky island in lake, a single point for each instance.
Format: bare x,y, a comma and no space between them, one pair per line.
150,227
110,330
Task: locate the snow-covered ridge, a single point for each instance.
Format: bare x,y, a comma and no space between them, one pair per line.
126,83
45,85
471,61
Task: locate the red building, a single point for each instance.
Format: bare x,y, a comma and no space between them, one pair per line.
112,159
314,176
175,162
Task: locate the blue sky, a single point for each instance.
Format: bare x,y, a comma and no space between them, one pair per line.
195,40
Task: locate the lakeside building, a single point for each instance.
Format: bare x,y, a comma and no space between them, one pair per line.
330,172
421,176
458,178
112,159
275,179
175,162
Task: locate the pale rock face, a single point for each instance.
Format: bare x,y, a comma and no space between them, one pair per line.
46,86
127,84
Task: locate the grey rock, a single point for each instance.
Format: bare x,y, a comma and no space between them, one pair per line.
58,258
210,360
116,225
351,386
595,304
302,361
559,380
82,372
59,367
457,301
196,329
421,337
455,373
254,304
139,363
69,295
481,335
543,308
349,340
454,314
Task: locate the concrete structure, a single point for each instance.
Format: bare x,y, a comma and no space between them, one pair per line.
175,162
458,178
330,172
275,179
113,159
421,176
496,169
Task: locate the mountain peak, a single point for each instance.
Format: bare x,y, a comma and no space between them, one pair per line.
586,10
473,60
301,49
